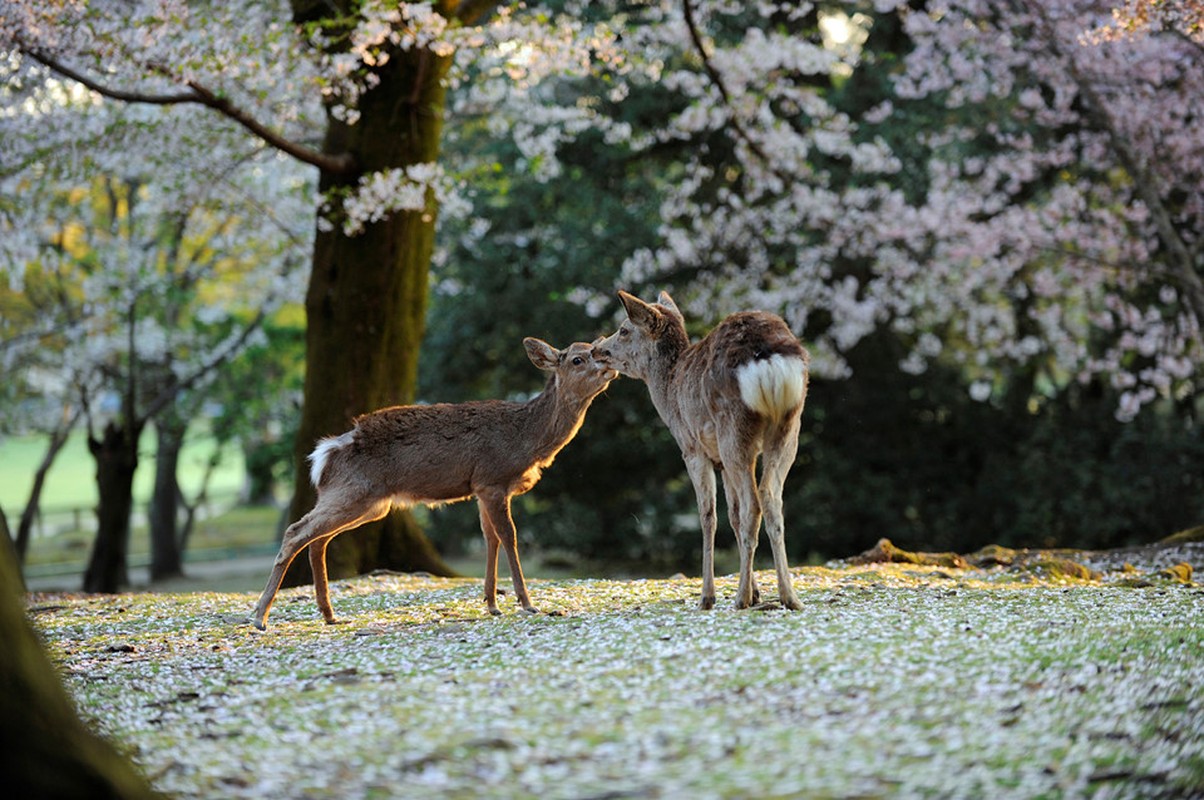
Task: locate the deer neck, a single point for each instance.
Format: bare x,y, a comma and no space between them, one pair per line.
554,418
663,376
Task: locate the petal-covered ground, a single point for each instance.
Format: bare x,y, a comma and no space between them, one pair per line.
897,680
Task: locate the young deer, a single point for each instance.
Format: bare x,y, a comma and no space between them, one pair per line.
734,395
433,454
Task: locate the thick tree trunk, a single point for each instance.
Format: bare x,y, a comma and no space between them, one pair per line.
366,305
116,455
165,541
47,751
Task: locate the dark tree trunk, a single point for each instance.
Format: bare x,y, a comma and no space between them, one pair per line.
116,455
10,551
25,525
366,305
165,541
48,752
260,462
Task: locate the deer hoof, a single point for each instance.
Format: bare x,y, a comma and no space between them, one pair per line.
258,624
791,602
335,621
706,602
495,611
531,609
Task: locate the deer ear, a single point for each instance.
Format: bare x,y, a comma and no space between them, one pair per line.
642,315
542,354
666,302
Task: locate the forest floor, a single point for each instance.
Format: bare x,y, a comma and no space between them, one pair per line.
1021,679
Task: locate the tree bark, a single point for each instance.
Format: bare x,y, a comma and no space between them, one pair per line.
25,525
48,752
366,304
165,542
116,455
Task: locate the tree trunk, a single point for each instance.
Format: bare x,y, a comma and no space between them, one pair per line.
10,551
47,751
366,305
166,553
259,461
25,525
116,454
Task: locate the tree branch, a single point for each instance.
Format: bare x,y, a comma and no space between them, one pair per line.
1182,262
717,79
339,164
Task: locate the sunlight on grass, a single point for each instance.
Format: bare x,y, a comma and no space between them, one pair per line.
893,680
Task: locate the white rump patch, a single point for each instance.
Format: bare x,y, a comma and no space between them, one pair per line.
773,386
317,459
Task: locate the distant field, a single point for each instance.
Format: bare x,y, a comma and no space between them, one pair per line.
71,482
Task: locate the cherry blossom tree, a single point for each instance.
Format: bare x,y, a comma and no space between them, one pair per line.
996,183
133,303
355,90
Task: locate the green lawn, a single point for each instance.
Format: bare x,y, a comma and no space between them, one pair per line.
71,482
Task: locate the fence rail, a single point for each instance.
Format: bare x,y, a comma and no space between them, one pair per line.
57,521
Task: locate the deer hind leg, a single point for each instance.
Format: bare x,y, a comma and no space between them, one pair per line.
496,506
325,521
702,475
780,450
735,511
492,543
740,487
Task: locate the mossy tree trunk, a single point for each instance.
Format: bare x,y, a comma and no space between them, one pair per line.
48,752
366,303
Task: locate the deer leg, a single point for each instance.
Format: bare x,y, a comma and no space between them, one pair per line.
491,547
317,565
735,513
325,521
702,475
777,461
497,507
740,486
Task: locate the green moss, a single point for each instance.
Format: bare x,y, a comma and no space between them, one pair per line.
1060,569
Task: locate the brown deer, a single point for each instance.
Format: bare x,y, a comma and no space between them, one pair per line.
735,395
434,454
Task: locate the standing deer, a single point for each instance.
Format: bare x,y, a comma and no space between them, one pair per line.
734,395
443,453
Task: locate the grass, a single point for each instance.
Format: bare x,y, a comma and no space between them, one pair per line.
71,482
894,680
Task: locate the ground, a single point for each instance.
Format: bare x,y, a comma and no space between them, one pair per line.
895,679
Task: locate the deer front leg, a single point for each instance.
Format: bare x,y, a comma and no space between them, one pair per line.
491,548
702,475
497,507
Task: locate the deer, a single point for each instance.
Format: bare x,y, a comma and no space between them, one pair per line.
434,454
728,399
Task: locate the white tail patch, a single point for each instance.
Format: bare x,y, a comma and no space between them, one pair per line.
318,458
773,386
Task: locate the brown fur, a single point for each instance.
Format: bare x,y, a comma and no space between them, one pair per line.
443,453
700,392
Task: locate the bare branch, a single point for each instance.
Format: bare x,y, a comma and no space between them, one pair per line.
717,79
341,163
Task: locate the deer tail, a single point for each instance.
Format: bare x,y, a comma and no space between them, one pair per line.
774,386
321,454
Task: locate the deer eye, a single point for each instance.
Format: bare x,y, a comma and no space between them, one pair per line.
578,361
624,332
